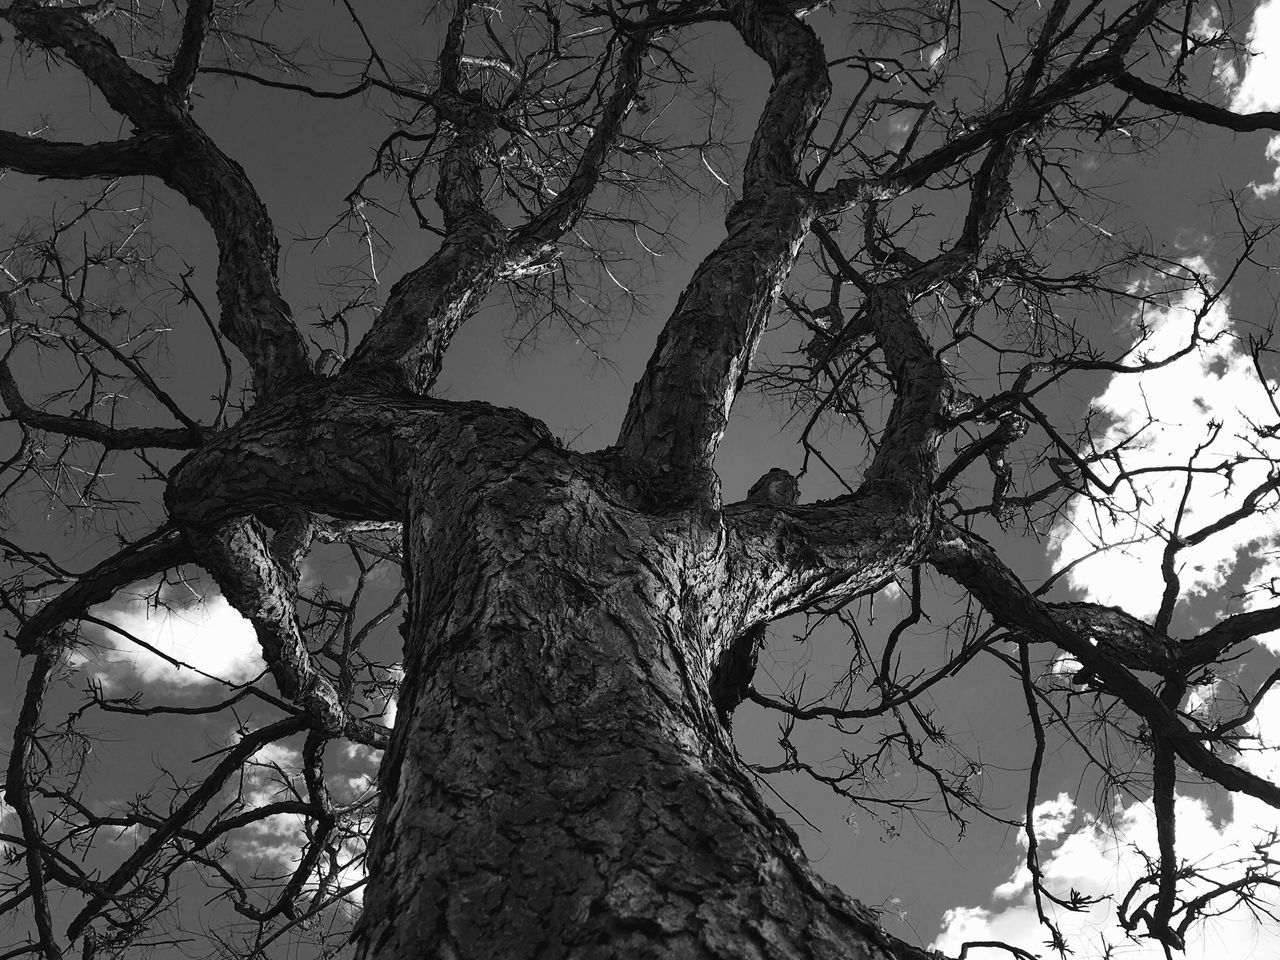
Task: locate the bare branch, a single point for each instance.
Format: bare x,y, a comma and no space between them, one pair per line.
254,315
681,403
970,561
186,61
111,438
1184,106
137,156
162,550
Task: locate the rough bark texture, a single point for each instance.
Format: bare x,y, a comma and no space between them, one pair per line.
559,783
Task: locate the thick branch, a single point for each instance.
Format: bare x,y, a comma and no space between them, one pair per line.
907,455
254,315
1184,106
323,449
784,558
831,551
135,156
1131,642
799,92
255,584
405,349
563,212
1210,645
971,562
680,406
427,306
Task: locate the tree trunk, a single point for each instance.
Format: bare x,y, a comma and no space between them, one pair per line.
559,783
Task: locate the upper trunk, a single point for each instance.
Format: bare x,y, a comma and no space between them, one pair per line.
558,783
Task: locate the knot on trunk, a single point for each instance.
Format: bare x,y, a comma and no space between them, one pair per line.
777,486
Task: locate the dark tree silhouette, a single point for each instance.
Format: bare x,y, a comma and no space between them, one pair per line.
580,625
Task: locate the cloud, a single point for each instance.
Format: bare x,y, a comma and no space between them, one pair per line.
274,845
1104,856
1169,413
892,591
8,824
1272,152
209,636
270,776
1259,87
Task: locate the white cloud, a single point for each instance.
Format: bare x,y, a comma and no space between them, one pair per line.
892,591
1265,190
1259,87
7,814
210,636
268,778
1169,412
1052,817
1103,857
274,845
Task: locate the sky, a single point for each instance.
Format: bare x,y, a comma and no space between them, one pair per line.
1082,849
942,891
1101,852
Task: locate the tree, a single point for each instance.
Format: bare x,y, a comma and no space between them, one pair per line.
580,625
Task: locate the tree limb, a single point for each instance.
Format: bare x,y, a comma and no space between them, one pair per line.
254,315
136,156
563,212
971,562
680,406
256,585
1207,647
428,305
186,61
1185,106
18,796
112,438
784,558
195,801
162,550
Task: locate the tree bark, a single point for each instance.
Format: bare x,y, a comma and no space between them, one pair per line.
559,783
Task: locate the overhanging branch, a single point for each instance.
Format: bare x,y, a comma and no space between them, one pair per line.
112,438
254,315
155,554
186,61
137,156
971,562
680,406
1184,106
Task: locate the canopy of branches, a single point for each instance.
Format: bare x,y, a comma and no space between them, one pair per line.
964,267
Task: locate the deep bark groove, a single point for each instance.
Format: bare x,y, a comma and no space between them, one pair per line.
559,783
